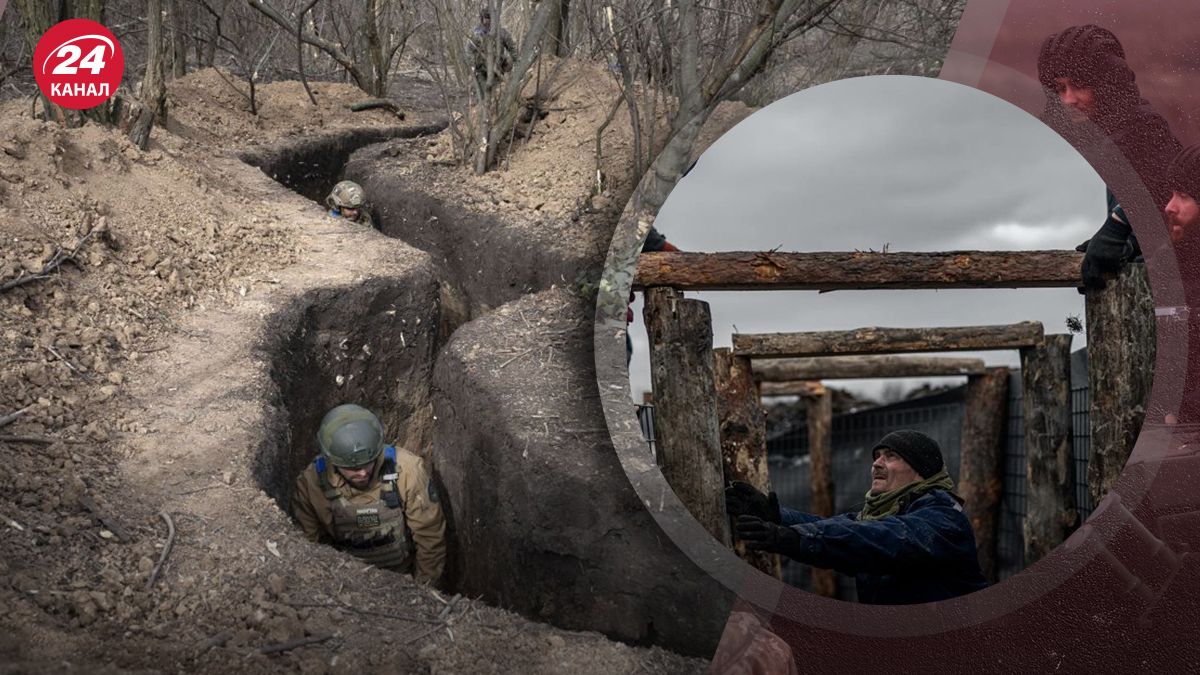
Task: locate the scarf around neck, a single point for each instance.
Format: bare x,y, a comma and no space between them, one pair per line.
888,503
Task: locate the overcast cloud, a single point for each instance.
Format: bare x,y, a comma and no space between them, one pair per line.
914,164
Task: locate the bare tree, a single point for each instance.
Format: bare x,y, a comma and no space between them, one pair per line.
238,35
381,30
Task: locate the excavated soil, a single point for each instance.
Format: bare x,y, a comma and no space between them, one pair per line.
179,361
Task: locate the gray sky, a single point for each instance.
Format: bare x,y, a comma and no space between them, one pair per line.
915,164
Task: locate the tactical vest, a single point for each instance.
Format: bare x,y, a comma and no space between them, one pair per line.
373,530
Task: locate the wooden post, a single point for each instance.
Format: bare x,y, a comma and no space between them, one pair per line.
888,340
981,472
1121,348
1050,514
820,454
824,271
859,367
743,430
681,371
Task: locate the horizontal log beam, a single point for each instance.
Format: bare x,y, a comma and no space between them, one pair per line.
802,389
828,271
861,367
888,340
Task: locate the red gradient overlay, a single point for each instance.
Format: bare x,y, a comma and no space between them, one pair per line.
1123,593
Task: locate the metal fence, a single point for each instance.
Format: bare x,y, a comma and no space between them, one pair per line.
941,417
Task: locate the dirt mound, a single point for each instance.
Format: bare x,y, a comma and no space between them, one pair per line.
546,521
205,107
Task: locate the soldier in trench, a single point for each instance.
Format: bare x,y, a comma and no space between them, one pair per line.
348,200
910,543
483,40
375,502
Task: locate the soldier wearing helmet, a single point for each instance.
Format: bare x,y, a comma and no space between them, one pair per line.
348,200
372,501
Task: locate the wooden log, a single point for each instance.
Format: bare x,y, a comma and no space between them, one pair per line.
855,367
820,454
826,271
802,388
685,393
981,471
888,340
1121,350
743,429
1050,513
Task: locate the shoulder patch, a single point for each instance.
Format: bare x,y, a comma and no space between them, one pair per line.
433,492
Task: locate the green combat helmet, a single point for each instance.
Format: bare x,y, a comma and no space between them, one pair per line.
350,436
346,195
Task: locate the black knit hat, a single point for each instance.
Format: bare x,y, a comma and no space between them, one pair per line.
920,451
1183,174
1090,55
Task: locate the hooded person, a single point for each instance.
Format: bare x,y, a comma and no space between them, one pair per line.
910,542
1092,99
1182,214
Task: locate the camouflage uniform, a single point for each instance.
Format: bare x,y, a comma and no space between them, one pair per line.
349,195
408,537
479,45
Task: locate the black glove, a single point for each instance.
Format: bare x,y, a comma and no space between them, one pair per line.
761,535
1106,251
743,499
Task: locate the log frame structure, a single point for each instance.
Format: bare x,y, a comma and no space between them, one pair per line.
1047,356
876,340
857,270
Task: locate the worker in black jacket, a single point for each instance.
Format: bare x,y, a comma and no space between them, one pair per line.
910,543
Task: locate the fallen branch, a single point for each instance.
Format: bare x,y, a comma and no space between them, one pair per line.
515,358
75,369
292,644
12,416
40,440
427,633
103,520
166,549
377,104
217,640
366,612
60,256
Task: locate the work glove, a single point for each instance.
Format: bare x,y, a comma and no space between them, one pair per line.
743,499
1106,251
761,535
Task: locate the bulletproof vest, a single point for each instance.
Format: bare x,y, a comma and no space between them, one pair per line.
373,530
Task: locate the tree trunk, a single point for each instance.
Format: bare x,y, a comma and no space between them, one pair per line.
820,453
981,471
889,340
1050,514
821,271
557,29
509,107
378,84
681,368
176,39
743,432
1121,348
861,367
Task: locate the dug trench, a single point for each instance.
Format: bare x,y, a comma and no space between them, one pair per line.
479,358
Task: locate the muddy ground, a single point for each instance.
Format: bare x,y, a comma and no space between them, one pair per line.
178,362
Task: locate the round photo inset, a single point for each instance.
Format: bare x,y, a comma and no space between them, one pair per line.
859,356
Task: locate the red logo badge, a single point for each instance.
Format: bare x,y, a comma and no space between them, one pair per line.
78,64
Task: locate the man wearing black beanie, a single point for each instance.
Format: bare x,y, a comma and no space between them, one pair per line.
910,543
